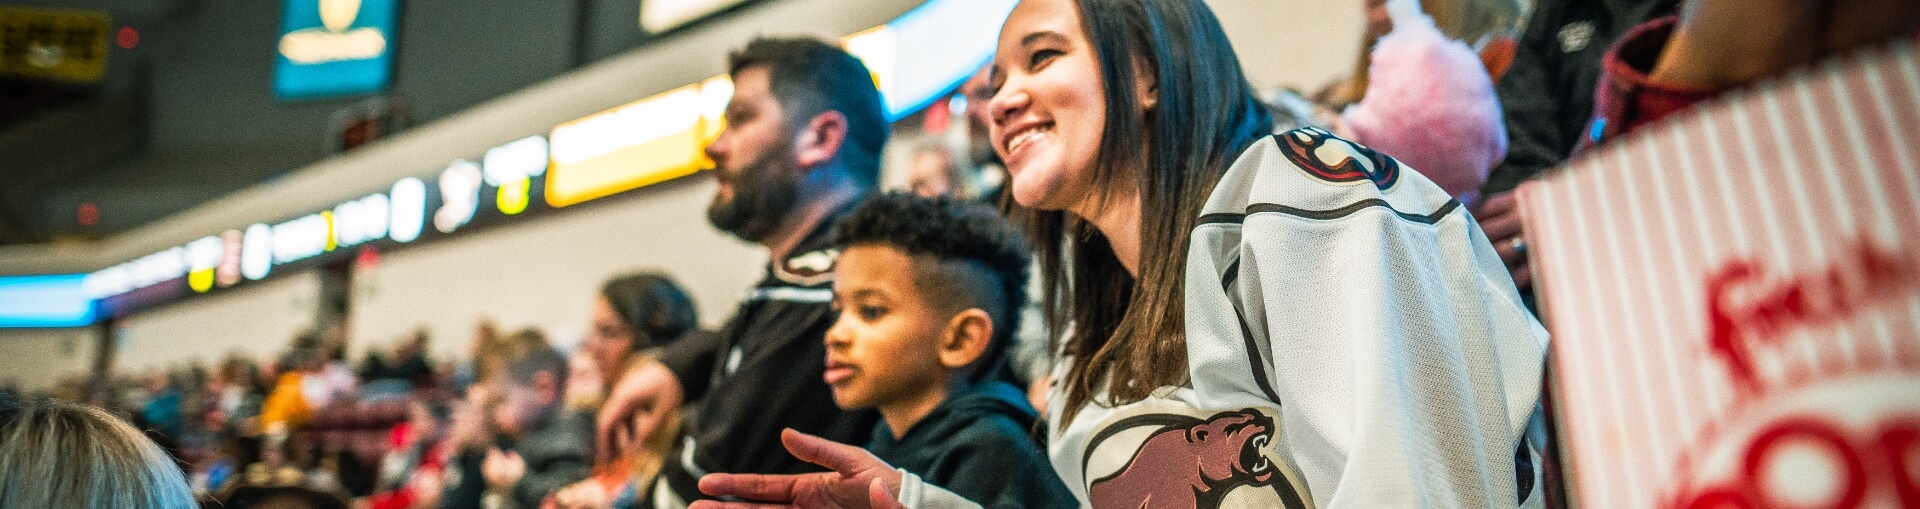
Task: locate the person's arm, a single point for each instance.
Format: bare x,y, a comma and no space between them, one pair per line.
858,480
1407,382
641,403
648,393
1404,365
691,359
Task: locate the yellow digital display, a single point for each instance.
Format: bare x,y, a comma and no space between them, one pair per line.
53,44
512,196
645,142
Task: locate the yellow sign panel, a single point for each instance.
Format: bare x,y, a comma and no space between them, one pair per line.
649,141
662,15
53,44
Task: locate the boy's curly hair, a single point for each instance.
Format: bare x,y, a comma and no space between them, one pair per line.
951,231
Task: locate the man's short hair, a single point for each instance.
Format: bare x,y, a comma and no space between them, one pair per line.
809,77
979,260
529,354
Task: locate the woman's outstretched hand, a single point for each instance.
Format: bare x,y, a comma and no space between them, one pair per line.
858,480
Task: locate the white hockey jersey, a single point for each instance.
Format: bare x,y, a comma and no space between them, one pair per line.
1353,341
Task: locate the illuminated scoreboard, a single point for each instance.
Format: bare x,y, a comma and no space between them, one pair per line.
463,195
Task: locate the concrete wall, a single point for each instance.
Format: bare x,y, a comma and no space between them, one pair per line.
545,272
1302,44
257,321
36,358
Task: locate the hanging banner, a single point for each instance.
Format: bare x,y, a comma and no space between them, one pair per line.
335,47
1735,298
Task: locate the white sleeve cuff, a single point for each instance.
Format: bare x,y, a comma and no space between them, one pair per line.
917,494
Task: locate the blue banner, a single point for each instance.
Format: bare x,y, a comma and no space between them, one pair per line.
335,47
44,301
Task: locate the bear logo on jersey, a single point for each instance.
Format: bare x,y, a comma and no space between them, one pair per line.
1192,463
1326,157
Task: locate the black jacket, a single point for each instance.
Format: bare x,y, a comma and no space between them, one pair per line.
1547,95
558,453
978,445
465,484
762,373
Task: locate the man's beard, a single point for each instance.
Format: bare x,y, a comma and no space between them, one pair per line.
764,192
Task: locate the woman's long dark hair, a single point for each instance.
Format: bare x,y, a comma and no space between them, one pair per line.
1129,337
653,307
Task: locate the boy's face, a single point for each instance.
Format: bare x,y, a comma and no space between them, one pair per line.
515,406
884,348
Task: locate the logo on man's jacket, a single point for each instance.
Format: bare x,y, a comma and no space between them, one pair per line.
1191,463
808,269
1329,158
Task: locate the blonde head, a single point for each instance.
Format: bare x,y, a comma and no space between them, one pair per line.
57,454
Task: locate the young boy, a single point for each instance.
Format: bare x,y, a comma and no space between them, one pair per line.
542,449
929,291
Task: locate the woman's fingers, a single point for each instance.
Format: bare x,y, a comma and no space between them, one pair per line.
1499,219
839,457
853,467
610,439
612,425
879,497
777,488
1502,229
709,504
1495,205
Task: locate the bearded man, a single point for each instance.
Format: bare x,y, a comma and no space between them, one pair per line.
802,144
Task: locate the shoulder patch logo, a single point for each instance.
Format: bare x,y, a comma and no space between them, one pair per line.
1187,462
1327,157
808,269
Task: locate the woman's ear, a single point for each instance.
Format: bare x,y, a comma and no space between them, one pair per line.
820,140
1146,86
965,338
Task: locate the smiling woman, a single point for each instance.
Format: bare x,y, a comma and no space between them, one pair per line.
1097,121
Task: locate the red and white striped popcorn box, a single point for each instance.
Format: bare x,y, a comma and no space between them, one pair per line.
1734,296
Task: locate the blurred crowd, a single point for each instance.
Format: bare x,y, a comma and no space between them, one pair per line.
394,428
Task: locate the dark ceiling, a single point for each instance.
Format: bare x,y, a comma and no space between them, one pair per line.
185,113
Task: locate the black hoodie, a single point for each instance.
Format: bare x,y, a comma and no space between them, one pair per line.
1547,94
977,445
